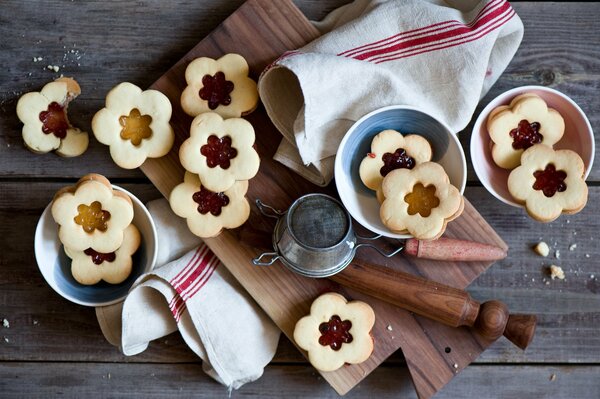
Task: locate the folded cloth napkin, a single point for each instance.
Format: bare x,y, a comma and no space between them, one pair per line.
426,54
196,294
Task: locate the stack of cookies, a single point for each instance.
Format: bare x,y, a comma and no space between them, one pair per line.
94,226
219,156
548,182
415,194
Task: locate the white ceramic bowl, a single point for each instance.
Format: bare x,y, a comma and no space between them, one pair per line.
361,201
578,137
56,266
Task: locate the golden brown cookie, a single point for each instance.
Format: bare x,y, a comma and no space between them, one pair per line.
336,332
134,124
420,200
46,126
549,182
91,214
221,86
514,128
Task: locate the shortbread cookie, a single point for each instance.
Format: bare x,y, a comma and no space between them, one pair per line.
46,126
549,182
134,124
208,212
420,200
514,128
91,214
222,86
90,267
336,332
389,151
220,151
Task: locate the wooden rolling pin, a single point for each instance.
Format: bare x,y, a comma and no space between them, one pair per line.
448,305
451,249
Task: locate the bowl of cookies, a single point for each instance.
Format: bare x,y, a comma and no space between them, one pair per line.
533,147
401,173
93,241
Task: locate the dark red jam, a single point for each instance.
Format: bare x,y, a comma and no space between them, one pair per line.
550,180
216,90
526,134
335,332
209,201
398,160
99,257
218,151
54,120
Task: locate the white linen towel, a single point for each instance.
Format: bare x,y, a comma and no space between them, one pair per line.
196,294
426,54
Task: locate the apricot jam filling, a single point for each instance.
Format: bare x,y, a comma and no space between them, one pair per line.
92,217
135,127
421,200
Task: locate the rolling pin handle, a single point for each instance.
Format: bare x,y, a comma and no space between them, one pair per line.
494,320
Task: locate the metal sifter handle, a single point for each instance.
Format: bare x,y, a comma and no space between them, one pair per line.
375,237
259,262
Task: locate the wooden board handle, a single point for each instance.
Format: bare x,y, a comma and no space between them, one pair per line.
450,249
448,305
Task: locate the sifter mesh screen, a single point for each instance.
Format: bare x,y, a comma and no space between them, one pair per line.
318,222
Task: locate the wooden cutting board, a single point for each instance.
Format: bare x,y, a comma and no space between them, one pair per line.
261,30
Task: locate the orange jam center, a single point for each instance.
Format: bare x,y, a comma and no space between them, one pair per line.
421,200
92,217
136,127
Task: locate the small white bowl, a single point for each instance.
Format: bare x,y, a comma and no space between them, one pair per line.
56,266
359,200
578,137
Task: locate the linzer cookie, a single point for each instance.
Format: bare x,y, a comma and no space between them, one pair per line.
336,332
389,151
91,214
549,182
90,267
208,212
420,200
134,124
222,86
516,127
46,126
220,151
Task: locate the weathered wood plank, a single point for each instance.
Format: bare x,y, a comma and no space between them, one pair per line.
569,311
552,53
41,380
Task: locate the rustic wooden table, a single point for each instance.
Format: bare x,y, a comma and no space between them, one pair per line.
50,346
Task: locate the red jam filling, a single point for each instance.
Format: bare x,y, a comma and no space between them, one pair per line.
526,134
54,120
92,217
99,257
398,160
550,180
335,332
209,201
216,90
218,151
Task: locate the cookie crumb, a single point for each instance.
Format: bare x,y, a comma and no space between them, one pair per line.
592,276
556,272
455,365
557,254
5,323
542,249
389,327
572,247
587,255
35,322
109,376
552,377
6,340
54,68
36,59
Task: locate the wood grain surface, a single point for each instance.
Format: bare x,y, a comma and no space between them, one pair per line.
54,347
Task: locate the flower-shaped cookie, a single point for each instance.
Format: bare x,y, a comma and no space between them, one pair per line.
420,200
89,267
336,332
208,212
389,151
135,124
549,182
46,126
514,128
92,215
220,151
222,86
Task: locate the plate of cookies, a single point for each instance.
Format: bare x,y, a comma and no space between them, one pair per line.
93,241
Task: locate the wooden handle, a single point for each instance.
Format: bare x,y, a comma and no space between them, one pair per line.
451,249
448,305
